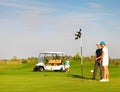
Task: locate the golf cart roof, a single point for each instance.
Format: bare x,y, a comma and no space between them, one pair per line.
51,53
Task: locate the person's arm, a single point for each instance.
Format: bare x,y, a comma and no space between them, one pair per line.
102,55
98,57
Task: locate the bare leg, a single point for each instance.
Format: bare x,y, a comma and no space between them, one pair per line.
106,72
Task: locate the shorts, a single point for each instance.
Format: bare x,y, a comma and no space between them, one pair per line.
105,63
67,66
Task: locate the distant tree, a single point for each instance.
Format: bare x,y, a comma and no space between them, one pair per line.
14,58
32,58
77,56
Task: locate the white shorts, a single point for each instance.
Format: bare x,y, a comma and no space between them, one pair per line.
67,66
105,63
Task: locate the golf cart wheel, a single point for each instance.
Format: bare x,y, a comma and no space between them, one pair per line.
36,68
61,70
41,69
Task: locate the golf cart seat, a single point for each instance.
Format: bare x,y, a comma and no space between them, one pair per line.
58,61
54,61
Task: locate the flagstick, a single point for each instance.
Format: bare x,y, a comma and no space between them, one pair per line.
81,60
77,36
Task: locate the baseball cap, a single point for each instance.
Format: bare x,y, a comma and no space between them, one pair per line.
97,43
102,42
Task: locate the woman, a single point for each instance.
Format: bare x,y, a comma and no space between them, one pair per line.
105,61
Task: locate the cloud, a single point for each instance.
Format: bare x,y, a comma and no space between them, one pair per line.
28,6
95,5
14,5
29,15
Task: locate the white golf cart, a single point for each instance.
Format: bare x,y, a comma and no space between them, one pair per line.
51,61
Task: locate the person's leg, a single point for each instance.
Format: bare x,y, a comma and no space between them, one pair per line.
101,70
104,69
95,69
68,69
107,73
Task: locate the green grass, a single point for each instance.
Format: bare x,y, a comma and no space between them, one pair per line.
21,78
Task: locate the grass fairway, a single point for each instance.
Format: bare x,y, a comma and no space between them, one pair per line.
21,78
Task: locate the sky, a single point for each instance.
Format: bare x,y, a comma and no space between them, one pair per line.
28,27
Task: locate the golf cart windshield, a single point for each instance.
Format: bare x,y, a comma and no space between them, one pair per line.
45,57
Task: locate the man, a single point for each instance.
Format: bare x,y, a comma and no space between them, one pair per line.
105,61
98,61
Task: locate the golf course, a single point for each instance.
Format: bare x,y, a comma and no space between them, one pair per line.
21,78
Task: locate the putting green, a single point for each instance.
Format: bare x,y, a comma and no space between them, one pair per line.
21,78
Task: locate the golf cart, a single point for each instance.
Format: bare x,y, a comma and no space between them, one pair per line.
51,61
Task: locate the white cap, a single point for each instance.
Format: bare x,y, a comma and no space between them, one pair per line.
97,43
